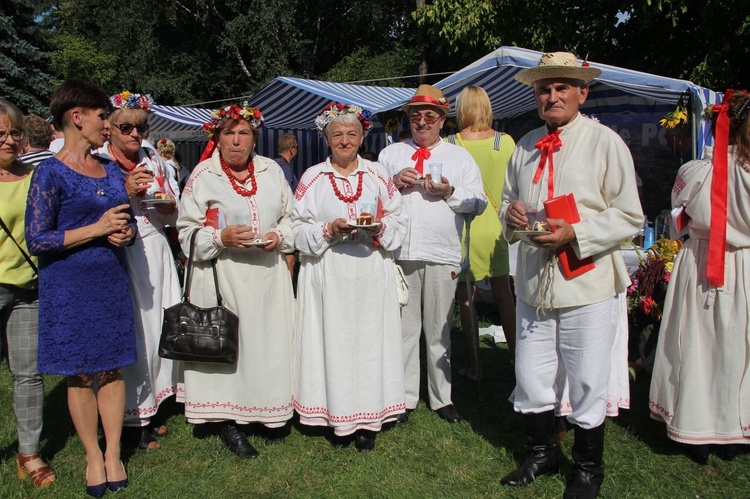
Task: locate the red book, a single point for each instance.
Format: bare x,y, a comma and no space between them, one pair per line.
215,218
565,207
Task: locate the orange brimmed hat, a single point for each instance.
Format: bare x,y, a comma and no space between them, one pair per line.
558,65
427,95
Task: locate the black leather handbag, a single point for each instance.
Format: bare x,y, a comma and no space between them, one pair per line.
198,334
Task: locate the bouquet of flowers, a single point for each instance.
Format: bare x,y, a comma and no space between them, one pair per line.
675,118
646,296
679,116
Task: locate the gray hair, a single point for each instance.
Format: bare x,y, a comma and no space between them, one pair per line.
344,119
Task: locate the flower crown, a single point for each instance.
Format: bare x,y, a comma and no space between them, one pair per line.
336,109
166,147
250,114
126,100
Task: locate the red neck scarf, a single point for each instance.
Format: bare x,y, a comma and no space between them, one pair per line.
717,234
420,155
548,145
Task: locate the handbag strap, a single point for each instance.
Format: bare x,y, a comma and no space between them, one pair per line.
25,255
456,139
189,273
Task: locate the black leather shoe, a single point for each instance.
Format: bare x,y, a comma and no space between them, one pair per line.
404,418
237,442
364,440
449,413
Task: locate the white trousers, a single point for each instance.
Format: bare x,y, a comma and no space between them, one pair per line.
568,344
430,308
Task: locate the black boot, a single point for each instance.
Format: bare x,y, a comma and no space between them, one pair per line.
588,467
541,456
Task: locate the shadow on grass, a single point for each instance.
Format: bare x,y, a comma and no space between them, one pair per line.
486,408
168,409
637,422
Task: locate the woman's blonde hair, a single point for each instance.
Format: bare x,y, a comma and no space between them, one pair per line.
473,109
14,115
741,120
117,112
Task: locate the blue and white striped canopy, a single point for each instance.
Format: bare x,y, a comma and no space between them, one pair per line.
294,102
179,123
495,71
616,90
291,104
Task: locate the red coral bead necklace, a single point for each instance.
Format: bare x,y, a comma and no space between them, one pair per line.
235,184
347,199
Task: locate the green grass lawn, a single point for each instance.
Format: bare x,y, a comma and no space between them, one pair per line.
425,458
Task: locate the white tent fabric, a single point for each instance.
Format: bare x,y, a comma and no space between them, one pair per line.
495,71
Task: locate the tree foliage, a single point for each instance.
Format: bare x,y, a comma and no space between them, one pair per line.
189,51
362,65
75,55
706,41
24,79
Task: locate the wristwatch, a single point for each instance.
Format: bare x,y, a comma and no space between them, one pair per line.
447,196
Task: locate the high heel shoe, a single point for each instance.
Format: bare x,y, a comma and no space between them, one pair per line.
94,490
42,477
119,484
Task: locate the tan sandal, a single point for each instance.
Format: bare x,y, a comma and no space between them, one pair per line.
41,477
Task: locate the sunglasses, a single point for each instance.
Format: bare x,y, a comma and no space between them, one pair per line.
17,135
127,128
429,119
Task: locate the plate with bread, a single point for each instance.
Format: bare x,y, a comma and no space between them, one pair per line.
159,198
364,221
526,231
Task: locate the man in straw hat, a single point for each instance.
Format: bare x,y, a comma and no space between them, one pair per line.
439,183
566,325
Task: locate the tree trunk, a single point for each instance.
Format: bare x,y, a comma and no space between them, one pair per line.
421,40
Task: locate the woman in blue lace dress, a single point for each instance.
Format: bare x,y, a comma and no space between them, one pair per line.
77,221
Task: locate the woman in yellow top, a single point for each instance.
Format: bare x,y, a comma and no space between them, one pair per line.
488,253
19,302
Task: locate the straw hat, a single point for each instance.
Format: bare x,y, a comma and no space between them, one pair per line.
427,95
558,65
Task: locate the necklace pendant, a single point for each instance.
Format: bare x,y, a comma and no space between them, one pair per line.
99,191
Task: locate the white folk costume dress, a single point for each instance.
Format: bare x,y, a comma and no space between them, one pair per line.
155,286
348,338
255,285
595,165
700,385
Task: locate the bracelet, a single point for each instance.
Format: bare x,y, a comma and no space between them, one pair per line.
448,196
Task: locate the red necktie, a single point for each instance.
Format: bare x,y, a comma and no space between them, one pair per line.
420,155
548,145
717,233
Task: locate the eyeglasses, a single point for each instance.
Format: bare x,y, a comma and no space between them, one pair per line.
17,135
127,128
430,119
